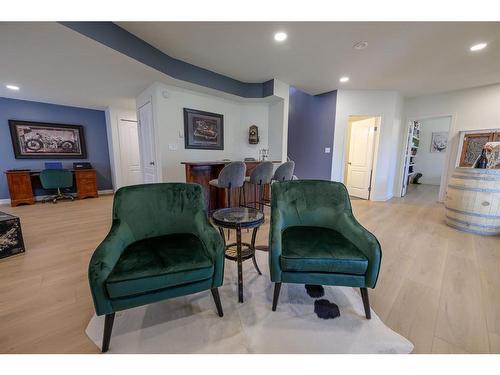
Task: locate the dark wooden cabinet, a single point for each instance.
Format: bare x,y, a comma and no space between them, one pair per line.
473,145
21,186
86,183
202,172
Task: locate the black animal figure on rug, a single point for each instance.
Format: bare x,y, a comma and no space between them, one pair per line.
323,308
315,291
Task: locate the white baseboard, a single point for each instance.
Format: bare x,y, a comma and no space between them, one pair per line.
382,199
41,197
106,192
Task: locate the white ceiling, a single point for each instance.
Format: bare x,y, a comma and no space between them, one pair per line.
54,64
413,58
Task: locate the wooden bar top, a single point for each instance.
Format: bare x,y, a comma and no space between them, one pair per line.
219,162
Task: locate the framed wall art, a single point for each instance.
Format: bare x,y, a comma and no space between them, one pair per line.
203,130
40,140
439,141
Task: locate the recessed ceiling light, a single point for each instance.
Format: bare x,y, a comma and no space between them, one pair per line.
478,47
12,87
344,79
280,36
360,45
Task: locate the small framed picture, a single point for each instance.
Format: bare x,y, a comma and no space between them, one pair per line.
439,141
203,130
40,140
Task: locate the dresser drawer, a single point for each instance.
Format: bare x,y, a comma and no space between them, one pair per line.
86,183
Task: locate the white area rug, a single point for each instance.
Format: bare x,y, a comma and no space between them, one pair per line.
191,325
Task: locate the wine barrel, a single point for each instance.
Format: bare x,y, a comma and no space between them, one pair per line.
473,201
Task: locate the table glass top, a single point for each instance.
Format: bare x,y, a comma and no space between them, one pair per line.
6,216
238,215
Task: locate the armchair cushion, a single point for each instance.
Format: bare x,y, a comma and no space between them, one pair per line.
317,249
158,263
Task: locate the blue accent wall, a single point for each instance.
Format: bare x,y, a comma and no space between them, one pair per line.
93,121
119,39
311,124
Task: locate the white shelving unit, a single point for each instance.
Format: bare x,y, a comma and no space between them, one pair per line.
412,144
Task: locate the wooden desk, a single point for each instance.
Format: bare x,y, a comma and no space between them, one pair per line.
204,171
21,185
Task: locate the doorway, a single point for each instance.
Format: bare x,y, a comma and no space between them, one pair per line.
360,155
130,159
147,144
426,156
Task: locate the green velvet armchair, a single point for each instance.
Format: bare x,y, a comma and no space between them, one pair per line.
315,239
161,245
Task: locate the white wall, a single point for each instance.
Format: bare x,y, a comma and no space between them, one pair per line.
431,164
471,109
277,148
387,105
113,116
239,115
278,122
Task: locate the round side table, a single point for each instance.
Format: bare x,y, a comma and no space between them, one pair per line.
238,218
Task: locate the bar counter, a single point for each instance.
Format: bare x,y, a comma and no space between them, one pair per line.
201,172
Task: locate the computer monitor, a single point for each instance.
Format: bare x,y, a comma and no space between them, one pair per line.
53,165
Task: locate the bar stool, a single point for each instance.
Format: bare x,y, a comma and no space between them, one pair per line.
230,177
284,172
260,176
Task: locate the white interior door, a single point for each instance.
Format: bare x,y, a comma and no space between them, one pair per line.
147,144
130,156
360,160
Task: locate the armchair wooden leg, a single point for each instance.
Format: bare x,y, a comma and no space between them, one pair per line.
366,302
108,327
215,294
277,288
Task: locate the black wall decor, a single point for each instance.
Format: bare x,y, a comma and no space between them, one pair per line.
39,140
203,130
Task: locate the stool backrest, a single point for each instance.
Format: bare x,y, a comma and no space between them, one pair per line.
284,171
232,175
262,173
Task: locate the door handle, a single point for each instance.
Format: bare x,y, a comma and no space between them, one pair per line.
349,163
151,163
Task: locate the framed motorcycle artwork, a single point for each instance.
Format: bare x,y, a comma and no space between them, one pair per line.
41,140
203,130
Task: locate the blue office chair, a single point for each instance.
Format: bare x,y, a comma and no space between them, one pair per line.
56,179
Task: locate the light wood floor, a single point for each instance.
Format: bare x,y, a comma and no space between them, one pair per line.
438,287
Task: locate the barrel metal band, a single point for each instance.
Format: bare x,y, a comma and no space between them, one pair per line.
476,171
472,230
473,224
474,189
473,213
476,178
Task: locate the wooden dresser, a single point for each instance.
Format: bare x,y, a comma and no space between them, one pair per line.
20,188
86,183
21,184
